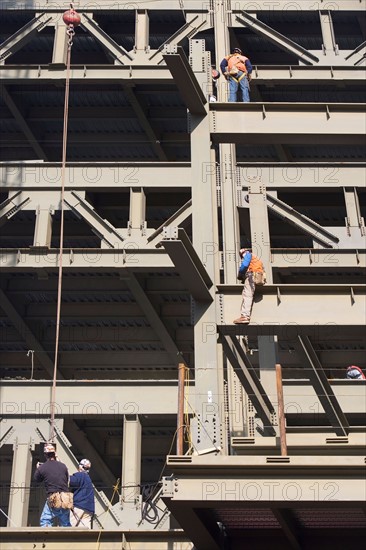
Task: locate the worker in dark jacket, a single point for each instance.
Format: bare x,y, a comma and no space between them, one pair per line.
82,487
55,477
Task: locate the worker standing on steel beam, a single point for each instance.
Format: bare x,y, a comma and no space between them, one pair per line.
55,477
251,273
237,70
82,487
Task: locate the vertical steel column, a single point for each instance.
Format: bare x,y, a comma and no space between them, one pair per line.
137,222
259,225
267,352
281,410
329,42
20,484
43,228
141,30
131,459
60,44
206,426
180,415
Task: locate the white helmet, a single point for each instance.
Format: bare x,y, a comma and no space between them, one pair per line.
85,464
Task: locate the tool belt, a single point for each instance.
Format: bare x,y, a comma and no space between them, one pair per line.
61,500
259,279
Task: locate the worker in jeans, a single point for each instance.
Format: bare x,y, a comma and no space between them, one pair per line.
237,69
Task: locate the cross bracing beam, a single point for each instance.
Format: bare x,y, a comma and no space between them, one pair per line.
12,205
31,139
154,319
26,334
178,218
83,399
101,227
294,123
24,35
85,6
281,41
160,74
185,79
323,388
358,54
114,176
305,224
250,381
187,262
117,51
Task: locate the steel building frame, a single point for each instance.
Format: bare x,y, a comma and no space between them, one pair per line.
160,292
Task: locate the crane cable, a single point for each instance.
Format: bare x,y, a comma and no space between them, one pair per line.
70,32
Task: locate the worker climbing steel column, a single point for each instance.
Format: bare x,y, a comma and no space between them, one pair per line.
251,273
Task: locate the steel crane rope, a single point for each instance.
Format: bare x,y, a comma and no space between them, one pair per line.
72,20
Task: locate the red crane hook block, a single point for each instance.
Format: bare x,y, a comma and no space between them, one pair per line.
71,17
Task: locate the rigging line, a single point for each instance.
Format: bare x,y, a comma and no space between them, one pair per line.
70,31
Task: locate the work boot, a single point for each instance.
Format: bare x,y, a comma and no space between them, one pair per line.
241,320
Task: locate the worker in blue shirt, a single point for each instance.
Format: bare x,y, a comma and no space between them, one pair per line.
82,487
251,272
237,69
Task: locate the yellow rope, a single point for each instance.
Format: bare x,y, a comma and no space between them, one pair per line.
115,489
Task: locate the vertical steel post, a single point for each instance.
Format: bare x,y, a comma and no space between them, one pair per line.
180,415
281,410
131,459
20,484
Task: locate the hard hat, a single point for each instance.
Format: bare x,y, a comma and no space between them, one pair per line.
241,251
85,464
49,448
237,50
215,74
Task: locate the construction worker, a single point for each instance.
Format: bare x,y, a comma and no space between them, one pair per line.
237,70
355,373
55,477
251,272
82,487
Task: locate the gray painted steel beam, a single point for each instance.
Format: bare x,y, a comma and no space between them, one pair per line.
187,263
323,389
297,176
131,459
160,74
305,224
23,125
23,35
179,218
185,79
277,38
295,123
97,176
285,518
154,319
84,6
118,52
21,476
114,176
87,398
248,378
101,227
13,204
359,54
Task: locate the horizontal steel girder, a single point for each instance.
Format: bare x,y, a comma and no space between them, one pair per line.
296,306
296,176
98,176
86,6
31,398
109,177
147,74
87,398
137,259
293,123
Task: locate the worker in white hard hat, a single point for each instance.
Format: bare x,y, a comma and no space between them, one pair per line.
55,477
82,487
